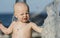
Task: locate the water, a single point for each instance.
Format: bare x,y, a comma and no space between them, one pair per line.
6,19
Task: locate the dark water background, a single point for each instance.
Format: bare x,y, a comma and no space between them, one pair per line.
38,19
6,19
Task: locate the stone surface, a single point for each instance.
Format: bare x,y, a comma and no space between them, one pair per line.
49,24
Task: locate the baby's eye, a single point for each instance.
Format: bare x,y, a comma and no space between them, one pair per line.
27,13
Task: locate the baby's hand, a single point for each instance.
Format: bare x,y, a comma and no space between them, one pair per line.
0,24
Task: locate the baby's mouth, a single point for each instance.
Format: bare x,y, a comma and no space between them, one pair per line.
25,18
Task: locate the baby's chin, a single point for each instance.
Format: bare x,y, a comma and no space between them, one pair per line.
25,21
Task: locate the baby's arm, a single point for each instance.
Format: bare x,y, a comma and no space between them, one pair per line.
6,30
36,28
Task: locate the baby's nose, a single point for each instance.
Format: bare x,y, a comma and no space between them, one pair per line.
25,15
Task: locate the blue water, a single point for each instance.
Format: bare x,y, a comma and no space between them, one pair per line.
6,19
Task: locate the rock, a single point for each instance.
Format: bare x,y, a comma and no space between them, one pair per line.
49,24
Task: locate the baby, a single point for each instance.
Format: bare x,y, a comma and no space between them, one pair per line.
22,28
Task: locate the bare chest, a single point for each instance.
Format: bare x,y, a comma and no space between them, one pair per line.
20,28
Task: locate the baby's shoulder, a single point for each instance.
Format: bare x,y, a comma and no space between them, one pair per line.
32,23
13,23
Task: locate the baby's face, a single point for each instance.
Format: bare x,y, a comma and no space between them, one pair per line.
21,12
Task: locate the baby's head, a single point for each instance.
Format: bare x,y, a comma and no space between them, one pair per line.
21,11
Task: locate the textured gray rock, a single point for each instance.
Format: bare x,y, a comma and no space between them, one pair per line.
49,24
57,18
